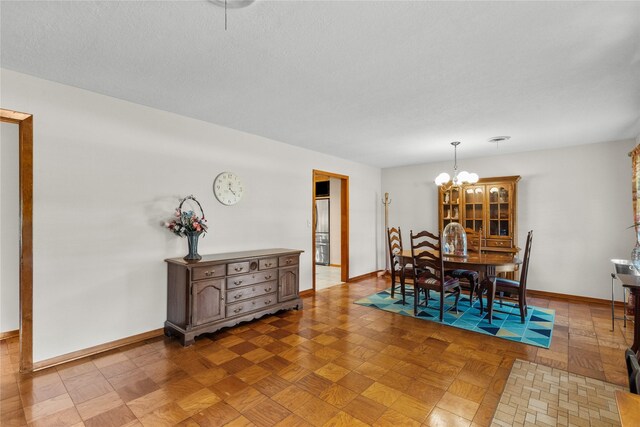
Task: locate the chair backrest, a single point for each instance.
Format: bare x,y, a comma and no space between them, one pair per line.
474,240
633,369
425,253
525,263
394,239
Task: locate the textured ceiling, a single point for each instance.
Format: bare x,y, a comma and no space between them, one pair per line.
383,83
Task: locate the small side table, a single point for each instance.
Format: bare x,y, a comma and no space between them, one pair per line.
632,282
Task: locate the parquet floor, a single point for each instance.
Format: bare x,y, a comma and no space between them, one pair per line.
333,363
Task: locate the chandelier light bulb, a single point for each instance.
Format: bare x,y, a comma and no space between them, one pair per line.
459,178
443,178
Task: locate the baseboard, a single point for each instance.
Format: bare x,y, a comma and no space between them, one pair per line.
573,298
69,357
364,276
335,265
307,293
9,334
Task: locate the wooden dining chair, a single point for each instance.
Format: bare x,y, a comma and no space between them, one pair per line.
517,287
399,270
469,278
428,270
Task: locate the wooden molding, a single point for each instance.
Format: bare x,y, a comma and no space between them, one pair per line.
25,132
91,351
334,265
365,276
344,223
573,298
307,293
9,334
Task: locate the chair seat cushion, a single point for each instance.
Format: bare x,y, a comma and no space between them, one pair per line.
470,275
507,283
448,281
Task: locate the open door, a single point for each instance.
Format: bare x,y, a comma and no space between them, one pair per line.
25,136
330,234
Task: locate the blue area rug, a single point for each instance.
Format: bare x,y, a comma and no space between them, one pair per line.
536,330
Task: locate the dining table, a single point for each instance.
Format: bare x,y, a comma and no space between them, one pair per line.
487,264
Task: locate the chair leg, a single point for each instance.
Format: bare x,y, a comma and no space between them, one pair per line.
457,298
474,286
480,292
402,289
393,281
523,308
442,305
416,297
500,295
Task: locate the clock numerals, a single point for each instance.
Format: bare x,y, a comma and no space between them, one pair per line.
227,188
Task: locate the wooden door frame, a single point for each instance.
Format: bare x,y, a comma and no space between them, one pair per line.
25,131
344,223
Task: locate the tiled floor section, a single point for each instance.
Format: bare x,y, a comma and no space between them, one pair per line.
327,276
333,363
537,395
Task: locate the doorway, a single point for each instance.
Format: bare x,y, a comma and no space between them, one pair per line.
330,234
25,172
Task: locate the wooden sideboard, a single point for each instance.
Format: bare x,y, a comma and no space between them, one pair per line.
225,289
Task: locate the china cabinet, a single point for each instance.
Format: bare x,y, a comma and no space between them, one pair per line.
488,207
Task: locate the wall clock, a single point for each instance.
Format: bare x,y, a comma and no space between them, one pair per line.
228,188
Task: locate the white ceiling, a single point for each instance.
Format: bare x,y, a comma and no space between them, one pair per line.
385,83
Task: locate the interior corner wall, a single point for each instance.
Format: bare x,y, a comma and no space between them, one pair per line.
9,227
577,200
109,173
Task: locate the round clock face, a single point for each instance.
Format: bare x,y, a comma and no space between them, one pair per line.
227,188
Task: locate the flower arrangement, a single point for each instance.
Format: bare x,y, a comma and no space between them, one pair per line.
186,222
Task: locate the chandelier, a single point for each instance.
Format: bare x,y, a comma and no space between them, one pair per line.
463,177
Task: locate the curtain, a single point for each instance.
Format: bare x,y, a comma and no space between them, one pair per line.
635,187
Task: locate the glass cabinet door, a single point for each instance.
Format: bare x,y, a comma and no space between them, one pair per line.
474,207
450,206
499,221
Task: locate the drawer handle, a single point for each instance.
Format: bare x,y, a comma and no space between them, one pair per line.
238,296
237,282
288,261
268,264
267,302
238,269
237,310
267,289
267,277
209,273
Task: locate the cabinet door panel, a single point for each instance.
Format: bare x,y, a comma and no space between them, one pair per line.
288,284
207,301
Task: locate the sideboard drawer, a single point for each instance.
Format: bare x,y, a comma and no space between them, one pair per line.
499,243
247,292
250,279
268,263
251,305
288,260
238,267
208,272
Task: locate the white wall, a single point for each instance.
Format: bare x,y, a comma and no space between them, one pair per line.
334,220
577,200
107,173
9,228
